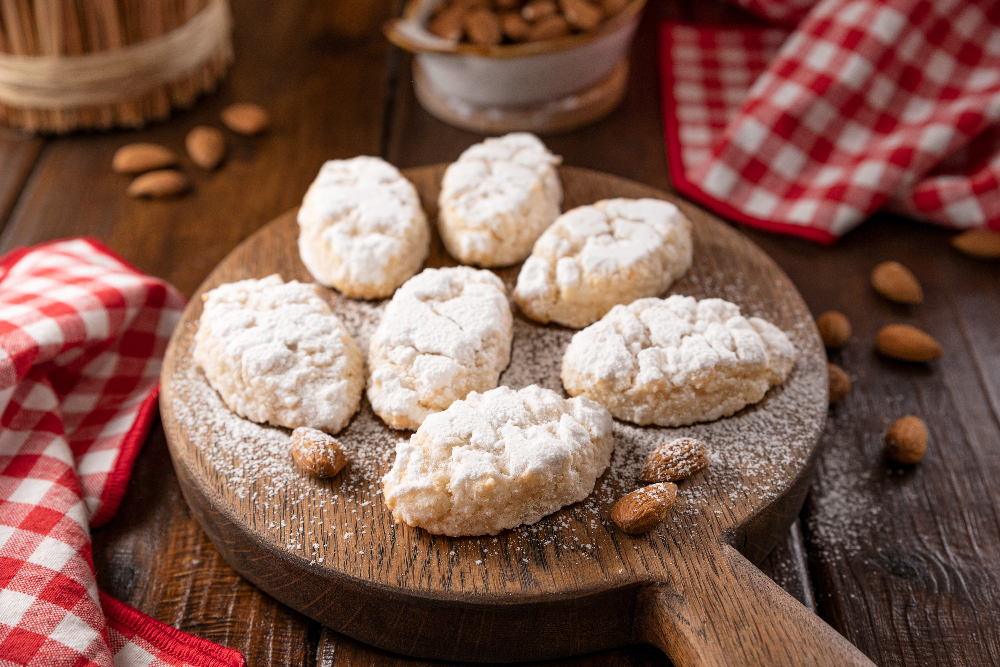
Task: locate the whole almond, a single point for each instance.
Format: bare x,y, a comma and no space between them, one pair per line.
675,460
316,452
515,27
538,9
206,146
582,14
139,157
840,384
980,243
834,329
508,4
612,7
245,118
906,441
897,283
160,183
449,23
483,27
549,27
644,508
906,343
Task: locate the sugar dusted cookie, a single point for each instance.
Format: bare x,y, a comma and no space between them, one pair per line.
498,198
276,354
497,460
676,361
596,257
361,228
445,333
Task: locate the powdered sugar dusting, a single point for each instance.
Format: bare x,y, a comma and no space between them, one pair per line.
752,456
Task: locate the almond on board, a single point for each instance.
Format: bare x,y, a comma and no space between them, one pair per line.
897,283
245,118
906,441
980,243
641,510
906,343
139,157
840,384
160,183
206,146
675,460
834,329
317,453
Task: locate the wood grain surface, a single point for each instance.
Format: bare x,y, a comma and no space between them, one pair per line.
904,562
566,585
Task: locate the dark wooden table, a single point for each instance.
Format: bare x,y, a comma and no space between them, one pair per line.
905,562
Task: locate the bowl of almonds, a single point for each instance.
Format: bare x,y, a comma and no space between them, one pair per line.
498,66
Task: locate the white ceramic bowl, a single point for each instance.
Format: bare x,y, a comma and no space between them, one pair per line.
471,79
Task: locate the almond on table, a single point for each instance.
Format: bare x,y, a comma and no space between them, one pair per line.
160,183
834,329
206,146
840,384
897,283
245,118
906,343
979,243
139,157
906,441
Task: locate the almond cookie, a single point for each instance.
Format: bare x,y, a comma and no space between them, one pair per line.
277,354
445,333
361,228
676,361
596,257
498,198
497,460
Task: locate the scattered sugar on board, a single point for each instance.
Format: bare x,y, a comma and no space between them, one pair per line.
745,451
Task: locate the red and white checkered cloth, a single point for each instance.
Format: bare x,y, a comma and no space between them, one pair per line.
82,336
866,104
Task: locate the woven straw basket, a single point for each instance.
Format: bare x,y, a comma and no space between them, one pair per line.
96,64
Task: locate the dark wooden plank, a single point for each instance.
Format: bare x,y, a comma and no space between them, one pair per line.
18,153
906,558
321,71
319,68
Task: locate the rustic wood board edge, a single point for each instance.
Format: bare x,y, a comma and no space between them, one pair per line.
371,614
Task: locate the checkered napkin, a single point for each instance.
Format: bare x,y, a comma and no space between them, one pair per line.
82,336
865,104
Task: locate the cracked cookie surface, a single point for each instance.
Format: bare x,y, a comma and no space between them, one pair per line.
361,228
276,354
595,257
497,199
497,460
676,361
446,332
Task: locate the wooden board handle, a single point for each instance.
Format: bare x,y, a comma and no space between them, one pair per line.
723,611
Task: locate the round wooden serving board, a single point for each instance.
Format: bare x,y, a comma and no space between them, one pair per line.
571,583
